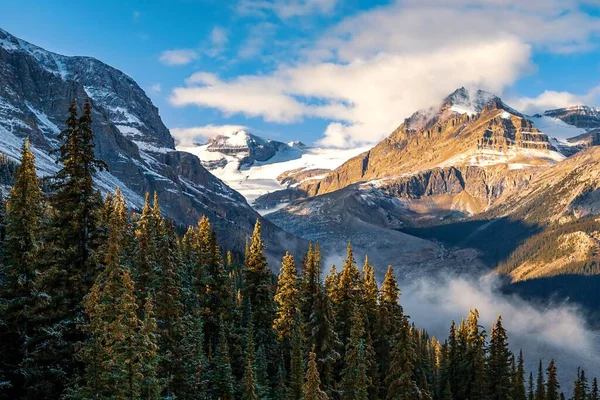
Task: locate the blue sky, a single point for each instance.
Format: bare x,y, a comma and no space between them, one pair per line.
340,73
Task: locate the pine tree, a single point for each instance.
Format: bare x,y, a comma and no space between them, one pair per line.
312,386
248,383
71,263
286,298
151,386
399,379
346,294
474,368
258,289
552,385
518,380
146,249
296,366
498,365
389,320
194,366
221,377
323,337
355,382
113,365
540,391
18,295
594,395
530,392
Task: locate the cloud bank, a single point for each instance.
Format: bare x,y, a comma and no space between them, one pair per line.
560,331
368,72
193,135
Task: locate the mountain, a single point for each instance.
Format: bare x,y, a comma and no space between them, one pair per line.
471,174
36,88
262,169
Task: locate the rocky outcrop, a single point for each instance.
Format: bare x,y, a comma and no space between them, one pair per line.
579,116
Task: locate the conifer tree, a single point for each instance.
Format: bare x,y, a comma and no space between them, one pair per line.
370,293
355,382
530,391
498,365
518,380
311,282
194,366
540,390
146,234
151,385
71,263
286,298
113,365
262,374
281,389
312,386
552,385
258,289
389,320
399,379
475,358
248,383
221,377
296,366
594,395
323,337
19,264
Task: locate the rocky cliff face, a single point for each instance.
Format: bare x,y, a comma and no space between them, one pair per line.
36,87
475,129
579,116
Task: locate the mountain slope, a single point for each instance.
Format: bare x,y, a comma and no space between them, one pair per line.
36,87
467,129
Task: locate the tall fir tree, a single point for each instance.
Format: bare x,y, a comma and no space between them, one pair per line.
540,389
19,265
296,380
399,379
312,386
498,365
221,378
594,394
286,299
475,358
112,353
258,289
355,380
518,381
71,262
552,385
530,390
151,386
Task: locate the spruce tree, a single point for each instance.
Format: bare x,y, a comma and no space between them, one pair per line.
71,263
194,366
258,289
151,386
530,391
389,320
475,358
286,298
312,386
552,385
518,381
111,354
540,390
356,382
498,365
296,381
19,265
594,395
221,377
399,379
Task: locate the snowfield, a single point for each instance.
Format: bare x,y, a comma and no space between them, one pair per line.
261,177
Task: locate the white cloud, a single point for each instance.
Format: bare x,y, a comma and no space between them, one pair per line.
189,136
370,97
370,71
178,56
155,88
136,16
218,41
257,39
551,99
286,8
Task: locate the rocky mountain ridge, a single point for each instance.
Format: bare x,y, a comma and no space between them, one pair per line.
36,88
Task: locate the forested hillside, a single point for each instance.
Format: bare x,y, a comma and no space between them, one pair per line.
101,303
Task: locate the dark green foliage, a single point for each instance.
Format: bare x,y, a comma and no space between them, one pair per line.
98,303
